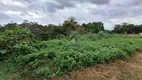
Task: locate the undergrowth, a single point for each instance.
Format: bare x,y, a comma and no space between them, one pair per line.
47,59
56,57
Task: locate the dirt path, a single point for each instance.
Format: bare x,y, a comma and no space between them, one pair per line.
129,69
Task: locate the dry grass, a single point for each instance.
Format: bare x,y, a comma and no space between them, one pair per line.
129,69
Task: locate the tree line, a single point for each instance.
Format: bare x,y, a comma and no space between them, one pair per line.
126,28
51,31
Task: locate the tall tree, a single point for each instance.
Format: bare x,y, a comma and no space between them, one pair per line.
69,25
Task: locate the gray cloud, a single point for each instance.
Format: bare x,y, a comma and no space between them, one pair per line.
98,1
4,16
52,7
56,11
71,3
127,3
131,8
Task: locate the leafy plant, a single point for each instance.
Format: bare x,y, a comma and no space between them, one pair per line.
51,58
10,38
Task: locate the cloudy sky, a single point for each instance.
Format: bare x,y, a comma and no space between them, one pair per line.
56,11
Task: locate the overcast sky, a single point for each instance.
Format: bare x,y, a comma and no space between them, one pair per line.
56,11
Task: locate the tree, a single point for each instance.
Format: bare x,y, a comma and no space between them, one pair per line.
81,30
117,28
69,25
99,26
94,27
126,28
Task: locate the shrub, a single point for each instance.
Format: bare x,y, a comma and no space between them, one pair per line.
56,57
10,38
94,37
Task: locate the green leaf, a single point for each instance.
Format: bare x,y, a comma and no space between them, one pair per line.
3,52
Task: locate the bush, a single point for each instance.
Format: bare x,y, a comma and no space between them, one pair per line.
94,37
10,38
56,57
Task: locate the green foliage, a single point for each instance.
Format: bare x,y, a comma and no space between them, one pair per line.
9,26
51,58
94,37
94,27
10,38
69,26
51,31
73,34
55,57
3,52
126,28
44,72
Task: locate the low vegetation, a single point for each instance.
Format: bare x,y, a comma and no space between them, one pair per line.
45,55
47,59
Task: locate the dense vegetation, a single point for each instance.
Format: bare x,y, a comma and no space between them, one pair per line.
126,28
51,31
23,49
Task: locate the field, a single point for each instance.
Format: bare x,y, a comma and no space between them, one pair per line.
32,59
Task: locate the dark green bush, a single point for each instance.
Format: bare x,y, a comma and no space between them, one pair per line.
10,38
